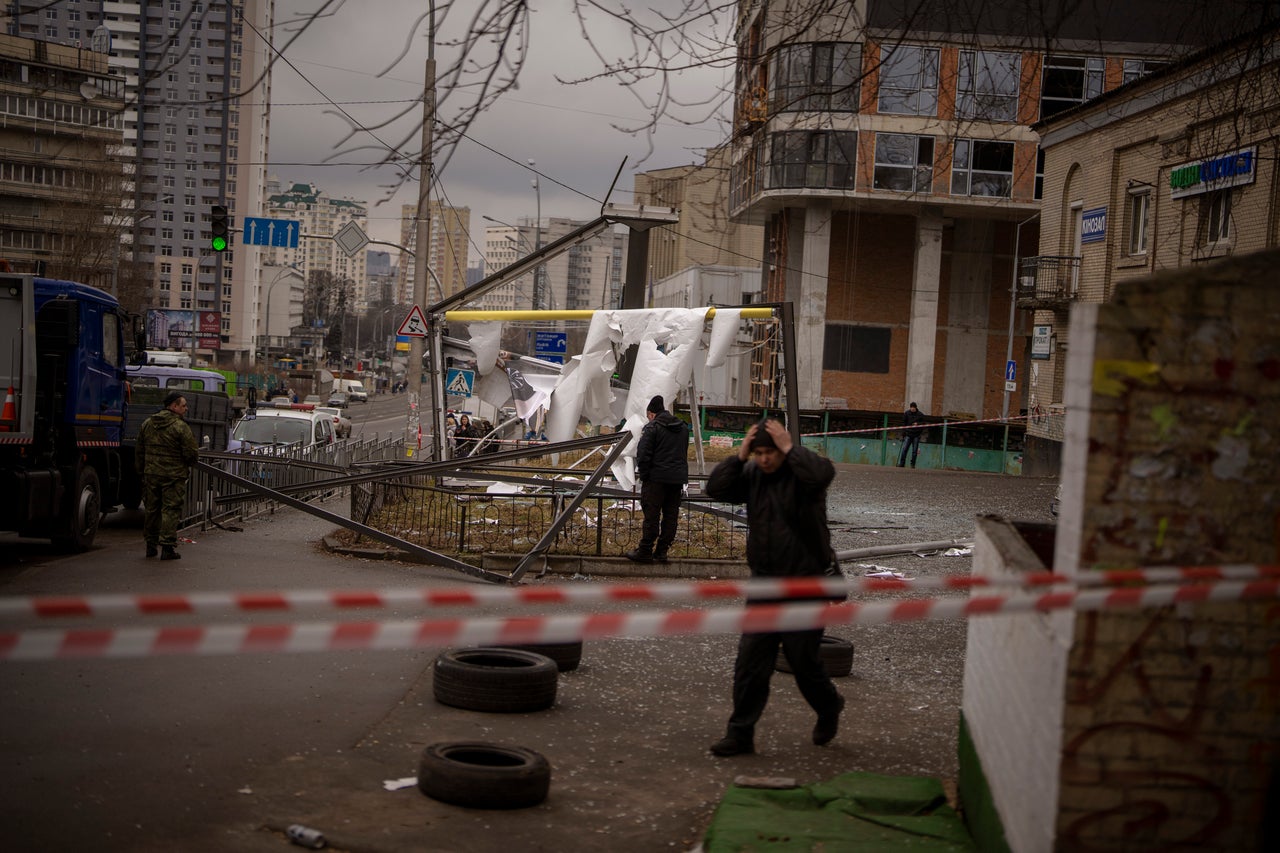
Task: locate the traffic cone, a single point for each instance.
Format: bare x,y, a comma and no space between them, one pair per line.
10,412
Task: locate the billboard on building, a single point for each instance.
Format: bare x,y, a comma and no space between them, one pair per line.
173,327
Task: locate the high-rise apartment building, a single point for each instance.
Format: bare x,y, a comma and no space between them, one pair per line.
61,178
588,275
195,134
447,258
319,217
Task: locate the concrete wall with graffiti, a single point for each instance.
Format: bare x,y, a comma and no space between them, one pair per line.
1172,725
1153,729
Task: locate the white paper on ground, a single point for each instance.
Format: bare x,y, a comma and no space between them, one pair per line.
397,784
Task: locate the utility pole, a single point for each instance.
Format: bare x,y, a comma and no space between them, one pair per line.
416,373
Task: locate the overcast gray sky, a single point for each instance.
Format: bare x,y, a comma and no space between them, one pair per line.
568,130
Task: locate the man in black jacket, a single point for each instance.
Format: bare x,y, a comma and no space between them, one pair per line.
911,419
662,466
784,487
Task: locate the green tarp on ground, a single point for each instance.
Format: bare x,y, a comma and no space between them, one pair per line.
865,812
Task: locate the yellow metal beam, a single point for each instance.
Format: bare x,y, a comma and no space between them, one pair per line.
480,316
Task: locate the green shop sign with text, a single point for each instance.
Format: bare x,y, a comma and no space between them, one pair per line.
1215,173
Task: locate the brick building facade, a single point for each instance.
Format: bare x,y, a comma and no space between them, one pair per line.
1175,169
886,148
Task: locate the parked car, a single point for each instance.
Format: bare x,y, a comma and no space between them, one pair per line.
295,425
313,399
338,400
341,423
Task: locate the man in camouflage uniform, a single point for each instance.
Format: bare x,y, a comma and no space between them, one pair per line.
166,450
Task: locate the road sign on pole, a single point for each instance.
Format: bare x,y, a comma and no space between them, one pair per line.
459,382
550,346
1010,370
282,233
351,239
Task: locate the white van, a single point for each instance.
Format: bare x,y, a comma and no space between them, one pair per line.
353,389
288,425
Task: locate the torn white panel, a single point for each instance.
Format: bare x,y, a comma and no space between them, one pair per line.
567,400
504,489
486,341
583,387
724,331
493,389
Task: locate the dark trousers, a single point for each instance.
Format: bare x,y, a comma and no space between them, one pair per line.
661,505
757,654
163,500
910,440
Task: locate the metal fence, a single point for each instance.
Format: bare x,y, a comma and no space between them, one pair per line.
212,499
467,520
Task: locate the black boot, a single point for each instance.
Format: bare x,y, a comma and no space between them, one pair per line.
660,557
167,552
642,554
152,550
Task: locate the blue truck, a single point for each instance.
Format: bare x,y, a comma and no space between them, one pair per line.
62,373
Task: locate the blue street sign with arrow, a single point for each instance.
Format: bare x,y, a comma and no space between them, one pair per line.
550,346
283,233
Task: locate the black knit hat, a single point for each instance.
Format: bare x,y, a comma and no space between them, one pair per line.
762,438
655,405
172,397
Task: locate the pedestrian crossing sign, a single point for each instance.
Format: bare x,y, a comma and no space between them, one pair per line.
459,382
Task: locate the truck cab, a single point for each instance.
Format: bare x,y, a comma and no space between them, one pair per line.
60,433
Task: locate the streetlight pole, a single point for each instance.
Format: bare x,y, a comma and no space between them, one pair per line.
1013,306
271,289
539,280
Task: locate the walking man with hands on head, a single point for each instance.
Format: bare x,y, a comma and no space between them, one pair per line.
784,487
662,466
166,450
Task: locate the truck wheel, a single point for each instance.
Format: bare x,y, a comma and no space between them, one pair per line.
496,680
83,511
484,775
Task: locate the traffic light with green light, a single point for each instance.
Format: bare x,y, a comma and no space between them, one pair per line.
220,230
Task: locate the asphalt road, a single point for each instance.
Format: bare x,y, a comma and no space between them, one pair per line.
223,753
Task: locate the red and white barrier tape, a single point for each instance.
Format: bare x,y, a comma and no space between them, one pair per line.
49,644
207,603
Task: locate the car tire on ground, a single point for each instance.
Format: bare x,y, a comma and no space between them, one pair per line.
484,775
836,654
494,679
566,655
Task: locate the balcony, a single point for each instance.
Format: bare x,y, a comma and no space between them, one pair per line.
1049,282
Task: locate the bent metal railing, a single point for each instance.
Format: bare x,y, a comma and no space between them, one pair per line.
212,499
240,473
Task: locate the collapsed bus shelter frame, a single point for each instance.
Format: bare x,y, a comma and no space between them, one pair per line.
490,467
640,219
